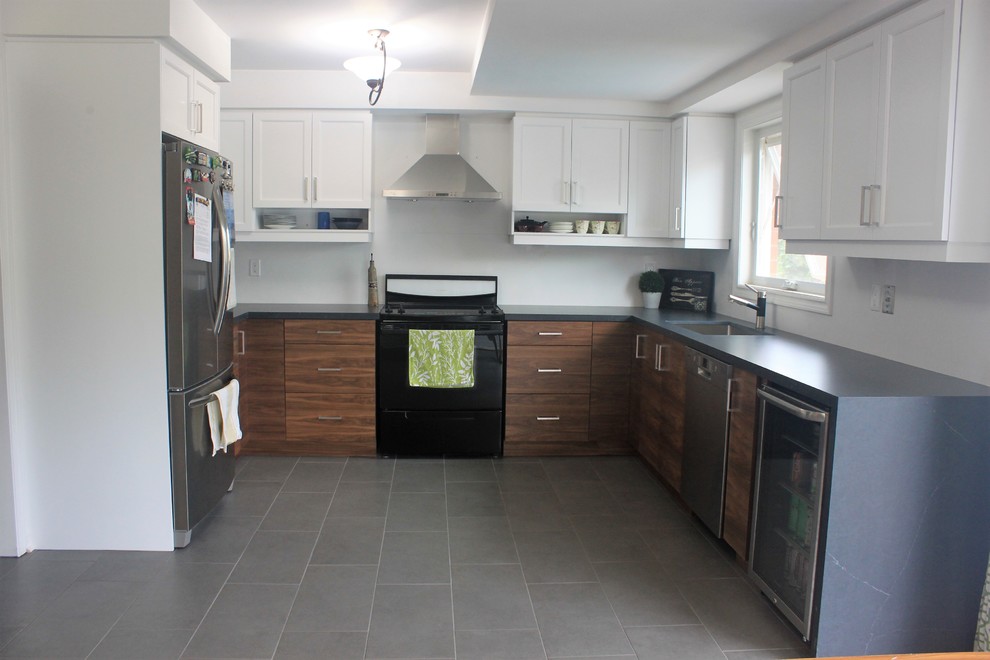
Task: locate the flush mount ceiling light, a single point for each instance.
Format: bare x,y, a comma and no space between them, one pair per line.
373,69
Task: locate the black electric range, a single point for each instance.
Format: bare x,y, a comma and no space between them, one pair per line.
441,366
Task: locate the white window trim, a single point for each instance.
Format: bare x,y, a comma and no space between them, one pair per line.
748,124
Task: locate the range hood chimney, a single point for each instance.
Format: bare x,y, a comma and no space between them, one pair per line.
442,173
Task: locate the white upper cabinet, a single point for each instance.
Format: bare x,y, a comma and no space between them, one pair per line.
852,93
570,165
799,209
312,160
235,146
903,136
342,160
190,102
649,179
701,180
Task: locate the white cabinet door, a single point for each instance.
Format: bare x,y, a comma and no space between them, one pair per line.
800,208
541,164
206,112
678,184
599,165
649,179
342,160
177,90
235,146
282,165
852,84
190,106
701,171
916,61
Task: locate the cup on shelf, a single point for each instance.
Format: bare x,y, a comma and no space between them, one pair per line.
323,220
597,226
612,226
581,226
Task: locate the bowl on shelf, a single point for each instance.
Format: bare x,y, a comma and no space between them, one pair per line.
278,221
347,223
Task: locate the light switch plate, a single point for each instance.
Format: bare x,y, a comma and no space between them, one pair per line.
254,267
875,298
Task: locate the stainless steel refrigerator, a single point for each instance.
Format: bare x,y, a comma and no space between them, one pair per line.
199,342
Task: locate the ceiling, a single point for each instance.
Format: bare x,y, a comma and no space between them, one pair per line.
631,50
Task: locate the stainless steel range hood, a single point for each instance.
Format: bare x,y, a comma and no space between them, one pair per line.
442,173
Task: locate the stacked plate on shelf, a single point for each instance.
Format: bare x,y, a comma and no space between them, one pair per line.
561,227
278,221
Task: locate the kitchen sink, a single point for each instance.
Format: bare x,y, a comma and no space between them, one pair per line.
719,328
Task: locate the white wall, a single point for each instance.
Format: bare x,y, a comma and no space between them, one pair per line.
83,286
448,238
941,311
8,528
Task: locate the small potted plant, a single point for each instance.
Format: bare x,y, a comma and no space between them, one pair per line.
651,284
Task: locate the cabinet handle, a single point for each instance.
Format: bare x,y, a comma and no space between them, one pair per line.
550,334
873,204
575,197
636,354
565,190
728,399
243,342
549,371
776,211
328,332
323,418
677,218
199,115
305,188
548,419
315,183
329,369
658,360
864,220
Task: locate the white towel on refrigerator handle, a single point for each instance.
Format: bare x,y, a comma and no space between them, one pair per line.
225,426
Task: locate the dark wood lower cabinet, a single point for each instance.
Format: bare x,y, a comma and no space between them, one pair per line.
547,425
741,462
658,414
259,348
611,364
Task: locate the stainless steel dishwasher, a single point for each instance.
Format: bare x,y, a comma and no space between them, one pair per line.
706,429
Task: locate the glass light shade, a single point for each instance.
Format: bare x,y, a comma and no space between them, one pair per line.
370,67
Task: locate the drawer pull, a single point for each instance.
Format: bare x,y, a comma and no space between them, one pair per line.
550,334
549,371
329,419
328,332
548,419
329,369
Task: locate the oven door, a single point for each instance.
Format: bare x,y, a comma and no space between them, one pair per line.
395,392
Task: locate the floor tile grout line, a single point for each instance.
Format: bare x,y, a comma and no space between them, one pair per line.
522,571
378,569
234,567
312,550
450,567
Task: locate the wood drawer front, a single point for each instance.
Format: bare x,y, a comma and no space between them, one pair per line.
299,331
316,368
546,417
550,333
550,369
330,424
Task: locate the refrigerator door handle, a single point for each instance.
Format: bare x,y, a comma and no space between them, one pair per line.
224,259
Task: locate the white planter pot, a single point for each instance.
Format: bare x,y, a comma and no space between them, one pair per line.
651,300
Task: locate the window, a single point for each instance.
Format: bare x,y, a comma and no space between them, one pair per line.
796,279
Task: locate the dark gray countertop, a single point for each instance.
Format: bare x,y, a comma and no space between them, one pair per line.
812,368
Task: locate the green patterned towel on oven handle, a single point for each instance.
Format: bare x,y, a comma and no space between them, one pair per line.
441,358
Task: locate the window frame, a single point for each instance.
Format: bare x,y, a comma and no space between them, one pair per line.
752,128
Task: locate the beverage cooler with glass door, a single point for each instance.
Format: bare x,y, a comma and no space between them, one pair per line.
787,503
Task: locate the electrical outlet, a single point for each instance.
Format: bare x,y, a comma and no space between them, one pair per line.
650,266
875,297
254,267
887,304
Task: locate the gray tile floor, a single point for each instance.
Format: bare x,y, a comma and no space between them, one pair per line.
365,558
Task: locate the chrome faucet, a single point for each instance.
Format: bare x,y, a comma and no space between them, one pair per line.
760,305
